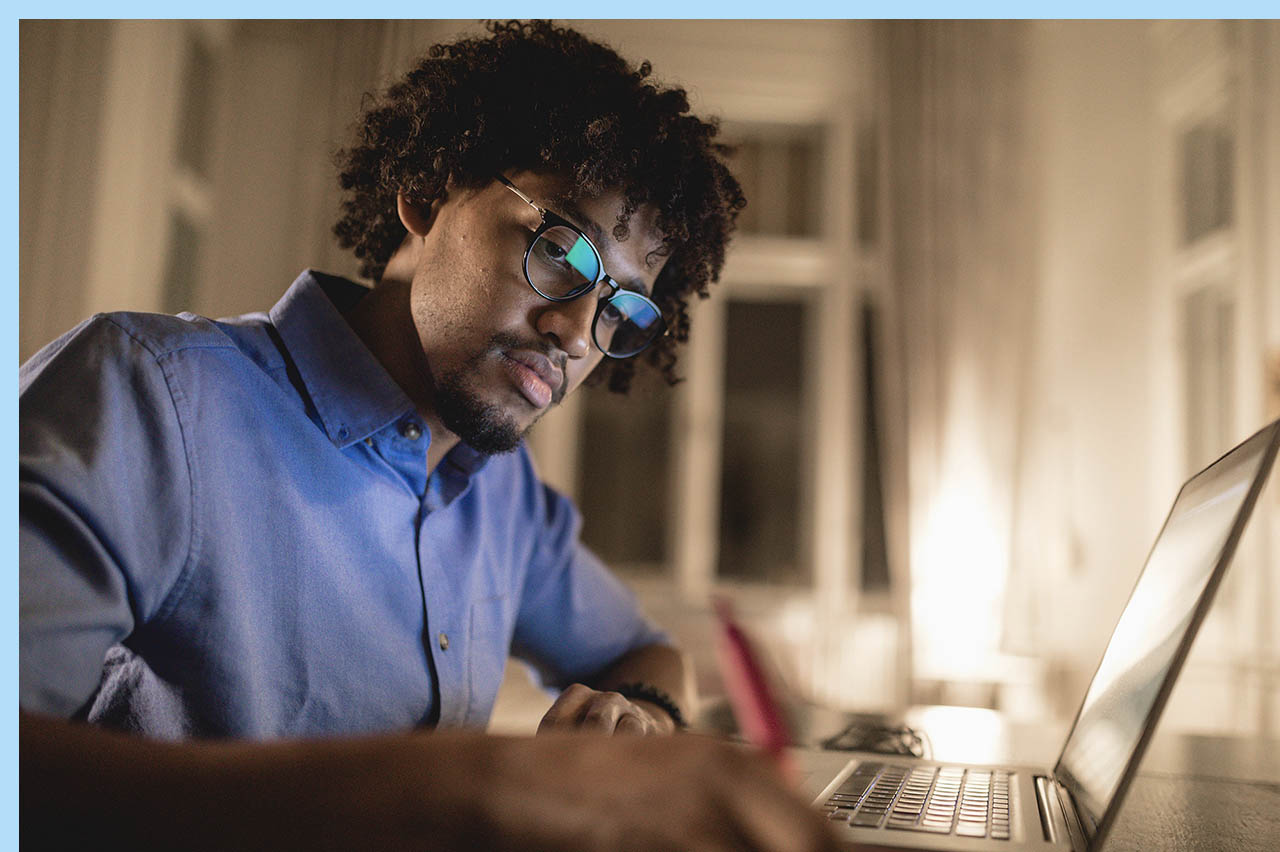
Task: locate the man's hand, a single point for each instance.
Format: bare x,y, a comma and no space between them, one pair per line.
690,793
581,708
598,709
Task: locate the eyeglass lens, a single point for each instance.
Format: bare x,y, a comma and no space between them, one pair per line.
626,324
562,264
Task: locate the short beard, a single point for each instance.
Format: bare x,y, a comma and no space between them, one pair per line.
480,424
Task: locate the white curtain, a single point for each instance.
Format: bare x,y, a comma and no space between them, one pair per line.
962,232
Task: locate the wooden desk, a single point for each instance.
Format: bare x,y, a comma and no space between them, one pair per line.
1191,792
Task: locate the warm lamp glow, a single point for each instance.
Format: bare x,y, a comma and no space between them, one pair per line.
962,733
795,621
959,570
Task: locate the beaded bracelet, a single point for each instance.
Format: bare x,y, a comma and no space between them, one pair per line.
650,693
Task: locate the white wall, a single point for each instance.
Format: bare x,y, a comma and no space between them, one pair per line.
1093,115
1107,452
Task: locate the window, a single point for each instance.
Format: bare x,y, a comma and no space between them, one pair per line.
866,161
195,124
181,263
779,167
1206,155
1207,321
760,488
624,472
870,468
192,184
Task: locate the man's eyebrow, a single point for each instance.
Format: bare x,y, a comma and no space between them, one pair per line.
571,210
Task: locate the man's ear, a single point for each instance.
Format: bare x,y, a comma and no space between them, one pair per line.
416,219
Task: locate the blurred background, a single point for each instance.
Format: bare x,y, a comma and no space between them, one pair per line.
1000,288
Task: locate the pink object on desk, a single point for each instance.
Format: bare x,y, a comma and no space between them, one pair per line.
754,702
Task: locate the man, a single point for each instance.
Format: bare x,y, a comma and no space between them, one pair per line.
244,537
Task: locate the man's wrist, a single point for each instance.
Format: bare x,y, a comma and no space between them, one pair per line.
658,704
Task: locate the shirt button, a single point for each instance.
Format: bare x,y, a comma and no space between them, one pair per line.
444,641
411,430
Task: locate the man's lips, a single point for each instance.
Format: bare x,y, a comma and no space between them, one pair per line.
537,377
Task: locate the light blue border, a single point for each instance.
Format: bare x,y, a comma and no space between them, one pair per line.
582,9
9,440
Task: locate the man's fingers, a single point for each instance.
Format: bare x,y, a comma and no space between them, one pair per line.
582,708
604,711
785,825
774,820
632,724
567,709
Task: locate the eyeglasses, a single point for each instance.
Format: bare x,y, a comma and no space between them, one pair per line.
561,264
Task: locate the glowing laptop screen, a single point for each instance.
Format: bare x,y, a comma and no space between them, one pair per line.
1165,604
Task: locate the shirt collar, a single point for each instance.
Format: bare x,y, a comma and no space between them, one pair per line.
351,390
353,393
465,458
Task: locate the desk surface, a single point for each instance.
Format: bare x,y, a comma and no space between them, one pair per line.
1191,792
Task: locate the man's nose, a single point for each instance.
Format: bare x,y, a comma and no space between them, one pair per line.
569,324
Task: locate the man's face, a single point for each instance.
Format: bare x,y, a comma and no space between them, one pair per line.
498,354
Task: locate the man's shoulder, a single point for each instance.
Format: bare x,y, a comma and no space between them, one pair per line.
165,334
127,335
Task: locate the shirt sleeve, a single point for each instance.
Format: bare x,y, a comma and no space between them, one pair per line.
575,618
104,503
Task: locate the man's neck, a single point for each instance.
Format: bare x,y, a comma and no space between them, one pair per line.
384,322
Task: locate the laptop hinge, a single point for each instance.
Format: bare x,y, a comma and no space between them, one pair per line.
1075,826
1052,822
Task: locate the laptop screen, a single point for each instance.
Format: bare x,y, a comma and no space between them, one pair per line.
1152,636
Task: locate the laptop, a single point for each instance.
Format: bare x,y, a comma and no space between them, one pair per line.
892,802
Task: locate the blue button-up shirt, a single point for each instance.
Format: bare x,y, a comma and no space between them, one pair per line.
227,529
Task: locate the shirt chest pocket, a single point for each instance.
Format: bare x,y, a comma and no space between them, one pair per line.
488,644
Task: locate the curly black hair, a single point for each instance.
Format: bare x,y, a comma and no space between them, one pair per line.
537,97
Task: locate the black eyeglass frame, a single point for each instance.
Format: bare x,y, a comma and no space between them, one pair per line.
552,220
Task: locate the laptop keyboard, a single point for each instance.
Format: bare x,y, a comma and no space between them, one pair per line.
940,800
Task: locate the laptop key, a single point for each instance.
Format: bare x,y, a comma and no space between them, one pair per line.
934,827
931,827
855,785
867,818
